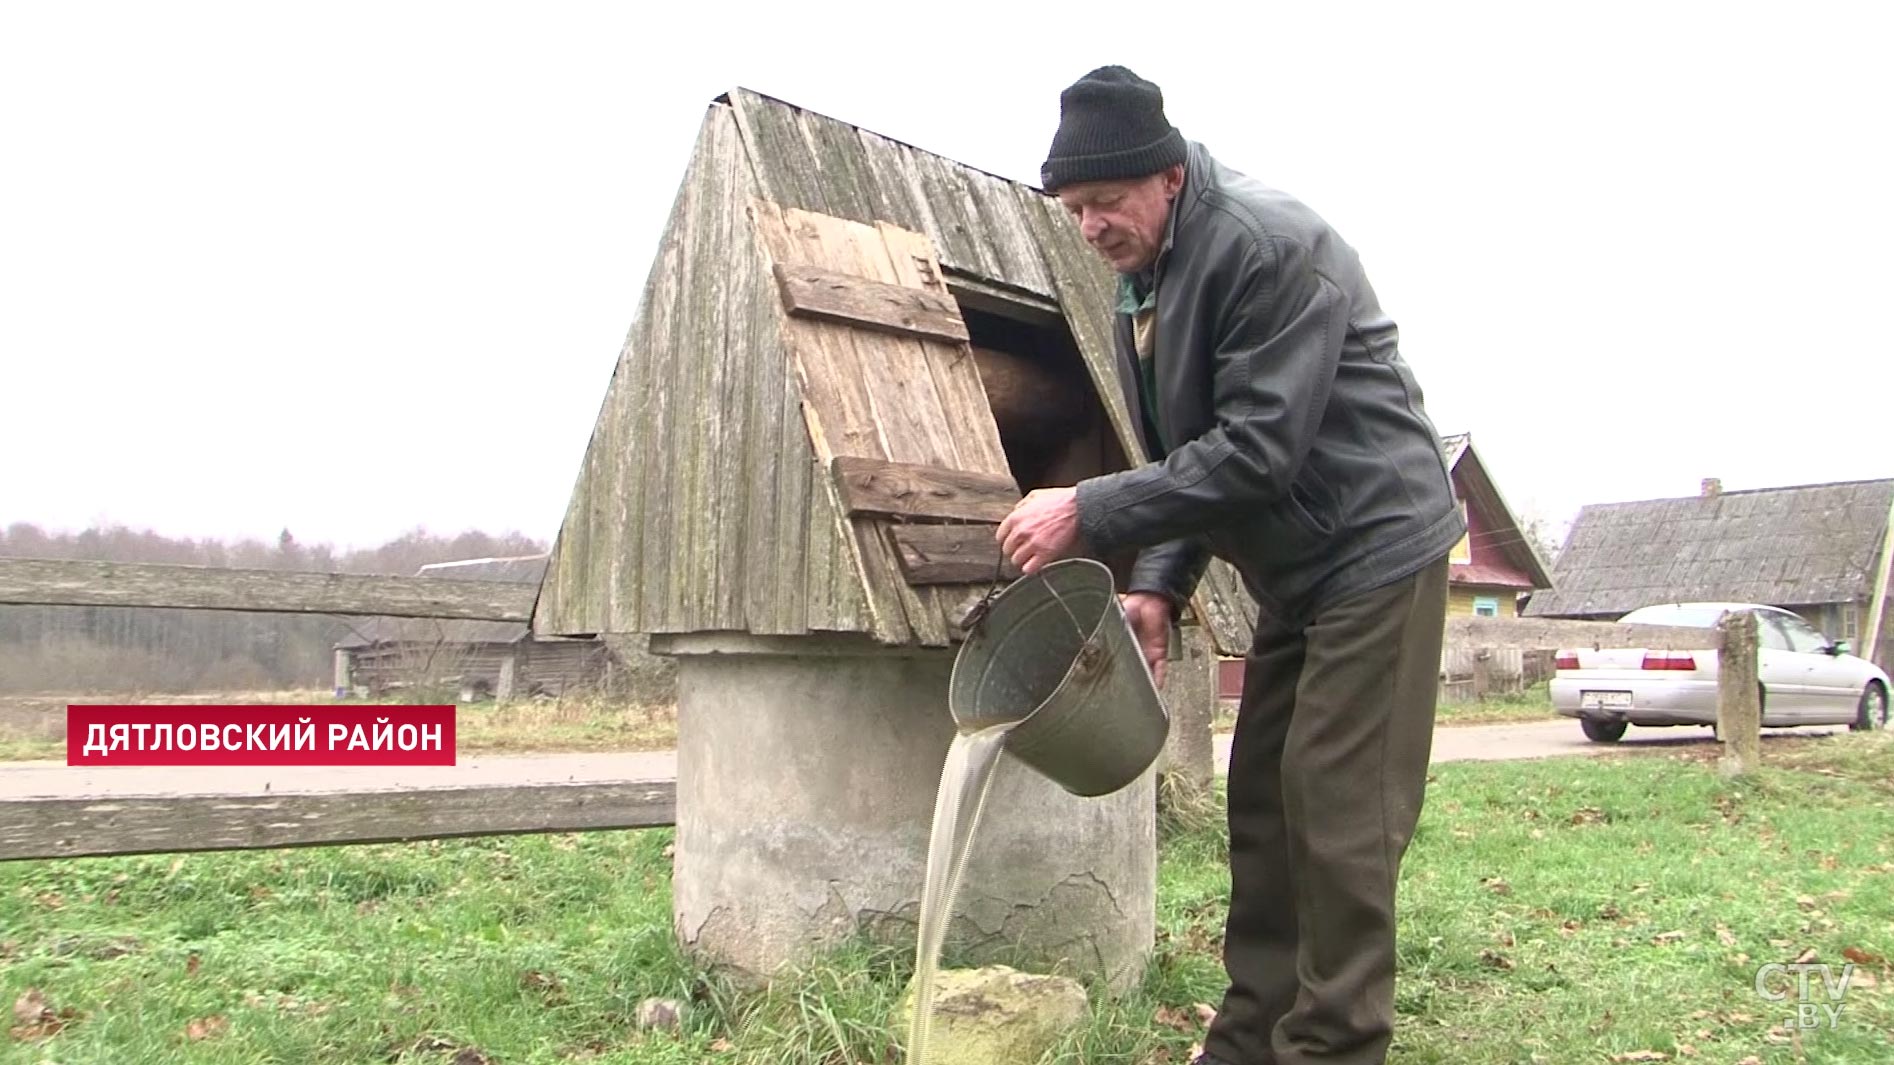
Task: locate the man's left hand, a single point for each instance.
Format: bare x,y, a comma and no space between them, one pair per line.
1043,528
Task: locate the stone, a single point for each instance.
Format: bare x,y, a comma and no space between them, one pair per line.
997,1014
661,1014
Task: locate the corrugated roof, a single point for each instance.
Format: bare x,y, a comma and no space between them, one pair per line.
1795,546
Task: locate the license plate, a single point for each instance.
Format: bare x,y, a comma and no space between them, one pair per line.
1604,700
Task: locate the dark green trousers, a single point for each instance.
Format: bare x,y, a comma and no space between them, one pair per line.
1328,769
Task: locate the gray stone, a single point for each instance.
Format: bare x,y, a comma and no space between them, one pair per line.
806,778
661,1014
996,1014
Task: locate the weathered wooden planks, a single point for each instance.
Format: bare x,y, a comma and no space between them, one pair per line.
852,300
815,163
61,582
951,554
163,824
875,488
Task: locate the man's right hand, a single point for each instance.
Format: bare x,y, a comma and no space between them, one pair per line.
1150,618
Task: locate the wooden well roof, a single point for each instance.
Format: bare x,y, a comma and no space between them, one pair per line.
1798,546
797,357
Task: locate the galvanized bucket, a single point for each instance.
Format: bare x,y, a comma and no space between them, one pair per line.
1054,653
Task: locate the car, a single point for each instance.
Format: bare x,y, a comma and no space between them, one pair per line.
1807,679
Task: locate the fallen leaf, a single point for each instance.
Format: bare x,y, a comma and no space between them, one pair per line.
1806,902
1642,1055
206,1027
1750,1060
1666,938
1725,936
1806,957
1865,979
1505,938
1609,912
670,851
1862,957
38,1020
1497,885
1175,1017
724,1046
192,964
1685,1050
470,1056
546,984
1206,1013
1740,1018
1495,960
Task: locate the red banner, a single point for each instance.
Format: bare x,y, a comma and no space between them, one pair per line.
259,735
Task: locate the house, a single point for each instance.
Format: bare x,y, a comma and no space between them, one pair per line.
1492,569
476,659
1813,549
1497,562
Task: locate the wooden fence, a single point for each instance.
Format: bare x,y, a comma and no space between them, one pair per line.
122,824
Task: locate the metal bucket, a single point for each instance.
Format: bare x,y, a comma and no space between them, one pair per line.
1054,653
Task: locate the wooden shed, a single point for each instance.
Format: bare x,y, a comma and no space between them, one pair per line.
481,659
850,359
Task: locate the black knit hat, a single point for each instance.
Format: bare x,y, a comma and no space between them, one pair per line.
1111,125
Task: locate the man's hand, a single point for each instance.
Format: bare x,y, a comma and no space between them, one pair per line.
1150,618
1043,527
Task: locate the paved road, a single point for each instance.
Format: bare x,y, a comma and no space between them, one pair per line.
21,780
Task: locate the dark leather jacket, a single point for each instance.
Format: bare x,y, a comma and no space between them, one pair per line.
1295,443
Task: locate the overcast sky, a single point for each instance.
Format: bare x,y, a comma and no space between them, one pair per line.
353,268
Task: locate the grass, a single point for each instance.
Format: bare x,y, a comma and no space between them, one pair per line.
1562,911
588,723
1533,704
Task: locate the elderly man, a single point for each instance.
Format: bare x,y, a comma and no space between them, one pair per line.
1292,442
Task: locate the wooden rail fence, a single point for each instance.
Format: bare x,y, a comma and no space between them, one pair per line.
127,824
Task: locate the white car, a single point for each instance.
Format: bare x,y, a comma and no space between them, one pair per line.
1807,679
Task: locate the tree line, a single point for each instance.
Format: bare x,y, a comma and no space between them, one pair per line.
101,649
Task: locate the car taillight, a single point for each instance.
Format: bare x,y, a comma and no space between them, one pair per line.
1682,661
1566,660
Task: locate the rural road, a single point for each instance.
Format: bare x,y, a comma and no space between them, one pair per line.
52,779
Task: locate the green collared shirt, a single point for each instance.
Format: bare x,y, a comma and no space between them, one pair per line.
1137,297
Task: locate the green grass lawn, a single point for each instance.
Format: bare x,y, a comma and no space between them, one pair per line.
1611,909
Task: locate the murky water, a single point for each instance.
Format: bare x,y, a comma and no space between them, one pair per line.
964,782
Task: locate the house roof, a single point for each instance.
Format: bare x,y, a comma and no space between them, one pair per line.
520,569
1796,546
1502,534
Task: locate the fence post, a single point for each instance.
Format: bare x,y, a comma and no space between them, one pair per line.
344,673
503,687
1739,695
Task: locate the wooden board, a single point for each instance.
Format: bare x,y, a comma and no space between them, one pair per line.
50,582
817,293
162,824
881,489
951,554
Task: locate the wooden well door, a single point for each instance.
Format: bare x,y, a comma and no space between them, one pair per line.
896,412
